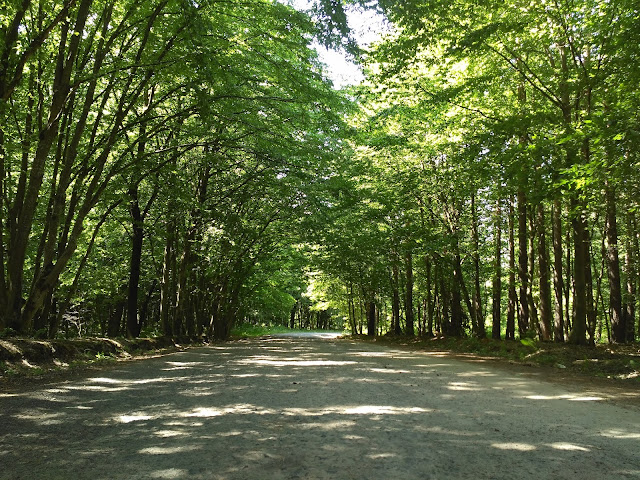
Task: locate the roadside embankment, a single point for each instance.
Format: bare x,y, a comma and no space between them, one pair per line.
26,357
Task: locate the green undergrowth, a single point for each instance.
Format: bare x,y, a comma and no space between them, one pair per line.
247,330
610,361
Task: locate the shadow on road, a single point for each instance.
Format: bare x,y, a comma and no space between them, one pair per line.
302,408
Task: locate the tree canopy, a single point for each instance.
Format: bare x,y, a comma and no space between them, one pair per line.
175,167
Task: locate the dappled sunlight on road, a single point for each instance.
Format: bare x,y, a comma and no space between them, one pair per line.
520,447
466,386
313,409
571,397
622,434
293,362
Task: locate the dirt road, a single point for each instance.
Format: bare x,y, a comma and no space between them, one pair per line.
313,408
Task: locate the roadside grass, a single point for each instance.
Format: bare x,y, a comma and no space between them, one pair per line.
609,361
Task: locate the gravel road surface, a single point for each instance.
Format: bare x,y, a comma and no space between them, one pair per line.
314,408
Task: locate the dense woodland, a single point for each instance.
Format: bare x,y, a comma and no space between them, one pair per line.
174,167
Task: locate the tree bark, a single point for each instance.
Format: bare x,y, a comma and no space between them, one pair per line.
523,274
545,287
558,324
410,331
395,300
578,334
429,299
512,298
137,237
631,276
371,318
478,320
618,327
497,274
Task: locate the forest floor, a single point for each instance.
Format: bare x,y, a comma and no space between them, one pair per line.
317,407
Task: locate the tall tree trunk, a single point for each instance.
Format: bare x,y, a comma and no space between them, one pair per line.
371,318
478,320
618,327
409,294
429,299
456,327
523,264
137,237
395,300
533,310
569,286
512,298
497,274
631,276
578,334
168,271
558,324
545,287
591,310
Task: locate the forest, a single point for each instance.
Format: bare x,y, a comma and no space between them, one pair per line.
177,167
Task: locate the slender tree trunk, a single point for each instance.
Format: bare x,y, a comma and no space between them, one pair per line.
591,310
569,288
558,330
429,300
545,287
166,292
512,298
478,320
534,323
395,301
445,297
137,237
523,263
497,275
410,331
631,277
457,322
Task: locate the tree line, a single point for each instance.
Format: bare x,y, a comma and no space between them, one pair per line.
495,174
157,161
172,167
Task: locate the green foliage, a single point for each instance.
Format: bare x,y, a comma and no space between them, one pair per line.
251,330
